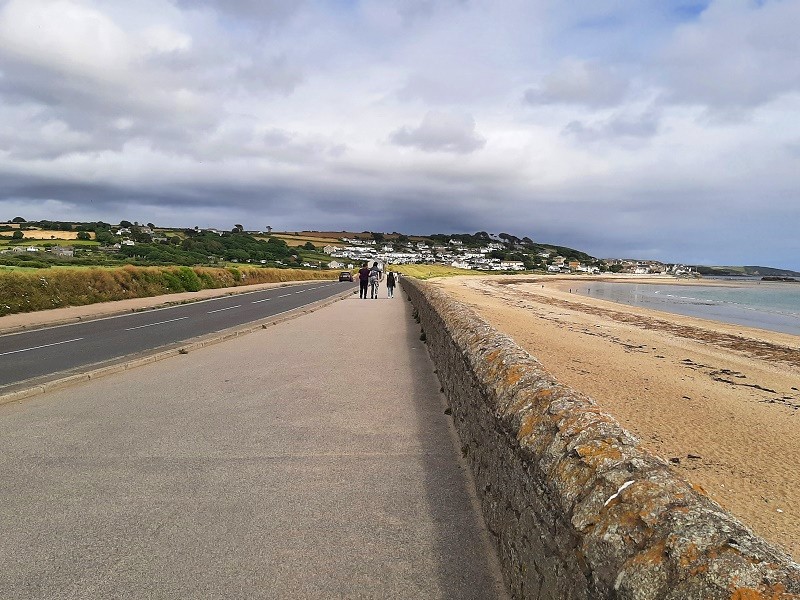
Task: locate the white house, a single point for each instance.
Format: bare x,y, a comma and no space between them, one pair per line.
512,265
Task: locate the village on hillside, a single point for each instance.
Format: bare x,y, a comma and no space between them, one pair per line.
326,250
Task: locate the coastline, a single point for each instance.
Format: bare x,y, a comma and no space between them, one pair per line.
719,402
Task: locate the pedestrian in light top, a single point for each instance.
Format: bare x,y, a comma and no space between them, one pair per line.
375,276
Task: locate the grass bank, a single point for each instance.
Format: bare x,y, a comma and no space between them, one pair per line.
429,271
55,288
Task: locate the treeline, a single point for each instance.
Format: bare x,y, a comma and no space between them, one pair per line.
516,248
200,248
27,292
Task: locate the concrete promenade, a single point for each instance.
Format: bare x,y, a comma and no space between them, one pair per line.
310,459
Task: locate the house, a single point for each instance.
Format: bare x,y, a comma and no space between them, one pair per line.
512,265
553,269
574,265
64,251
128,243
335,264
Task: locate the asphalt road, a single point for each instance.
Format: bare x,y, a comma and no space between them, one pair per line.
33,355
312,459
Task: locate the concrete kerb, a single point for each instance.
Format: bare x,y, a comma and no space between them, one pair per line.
179,349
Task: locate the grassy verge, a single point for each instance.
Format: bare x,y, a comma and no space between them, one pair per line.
428,271
54,288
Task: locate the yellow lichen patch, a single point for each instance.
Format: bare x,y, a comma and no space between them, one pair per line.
492,356
598,452
653,556
699,489
527,427
775,592
575,421
689,557
513,375
572,476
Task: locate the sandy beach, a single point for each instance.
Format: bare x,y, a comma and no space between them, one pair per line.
719,402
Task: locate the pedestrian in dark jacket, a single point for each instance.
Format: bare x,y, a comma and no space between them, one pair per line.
363,280
390,283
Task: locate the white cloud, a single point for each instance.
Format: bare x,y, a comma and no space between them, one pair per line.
579,82
441,132
737,55
63,36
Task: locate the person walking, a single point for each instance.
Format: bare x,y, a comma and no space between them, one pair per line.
375,276
363,281
390,281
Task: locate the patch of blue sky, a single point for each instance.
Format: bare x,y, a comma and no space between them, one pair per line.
689,11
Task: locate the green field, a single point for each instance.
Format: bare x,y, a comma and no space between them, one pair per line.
429,271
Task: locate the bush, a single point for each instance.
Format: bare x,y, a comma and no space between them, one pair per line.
26,291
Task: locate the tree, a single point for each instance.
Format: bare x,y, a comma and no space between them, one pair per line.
269,229
18,220
17,235
238,228
378,237
84,236
125,224
309,246
151,226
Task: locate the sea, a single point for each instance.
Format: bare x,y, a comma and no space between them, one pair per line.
770,305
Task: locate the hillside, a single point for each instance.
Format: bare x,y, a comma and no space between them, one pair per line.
747,271
35,244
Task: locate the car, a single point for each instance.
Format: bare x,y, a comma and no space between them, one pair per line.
345,276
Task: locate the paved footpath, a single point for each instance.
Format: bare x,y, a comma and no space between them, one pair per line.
311,459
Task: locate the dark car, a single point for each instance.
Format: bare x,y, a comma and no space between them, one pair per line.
345,276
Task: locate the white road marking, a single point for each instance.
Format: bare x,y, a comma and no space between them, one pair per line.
42,346
221,309
284,296
263,300
159,323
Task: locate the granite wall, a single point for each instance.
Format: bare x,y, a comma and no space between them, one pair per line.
576,509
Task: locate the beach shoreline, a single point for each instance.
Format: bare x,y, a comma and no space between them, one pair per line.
720,403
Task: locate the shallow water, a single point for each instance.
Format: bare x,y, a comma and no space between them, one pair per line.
774,306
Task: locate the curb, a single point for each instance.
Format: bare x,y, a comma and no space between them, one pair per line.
182,348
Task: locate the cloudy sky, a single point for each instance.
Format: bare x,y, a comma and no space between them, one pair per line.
663,129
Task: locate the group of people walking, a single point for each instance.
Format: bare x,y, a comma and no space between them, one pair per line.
369,280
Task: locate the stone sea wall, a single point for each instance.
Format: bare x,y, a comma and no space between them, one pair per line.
576,509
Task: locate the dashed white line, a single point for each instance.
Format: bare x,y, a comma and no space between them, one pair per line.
284,296
221,309
38,347
159,323
262,300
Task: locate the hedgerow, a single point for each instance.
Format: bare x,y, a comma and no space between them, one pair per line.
54,288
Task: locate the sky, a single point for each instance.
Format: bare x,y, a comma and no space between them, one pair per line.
652,129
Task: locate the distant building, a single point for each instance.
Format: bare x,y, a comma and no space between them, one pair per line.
63,251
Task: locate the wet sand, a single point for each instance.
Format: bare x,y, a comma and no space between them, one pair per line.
719,402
